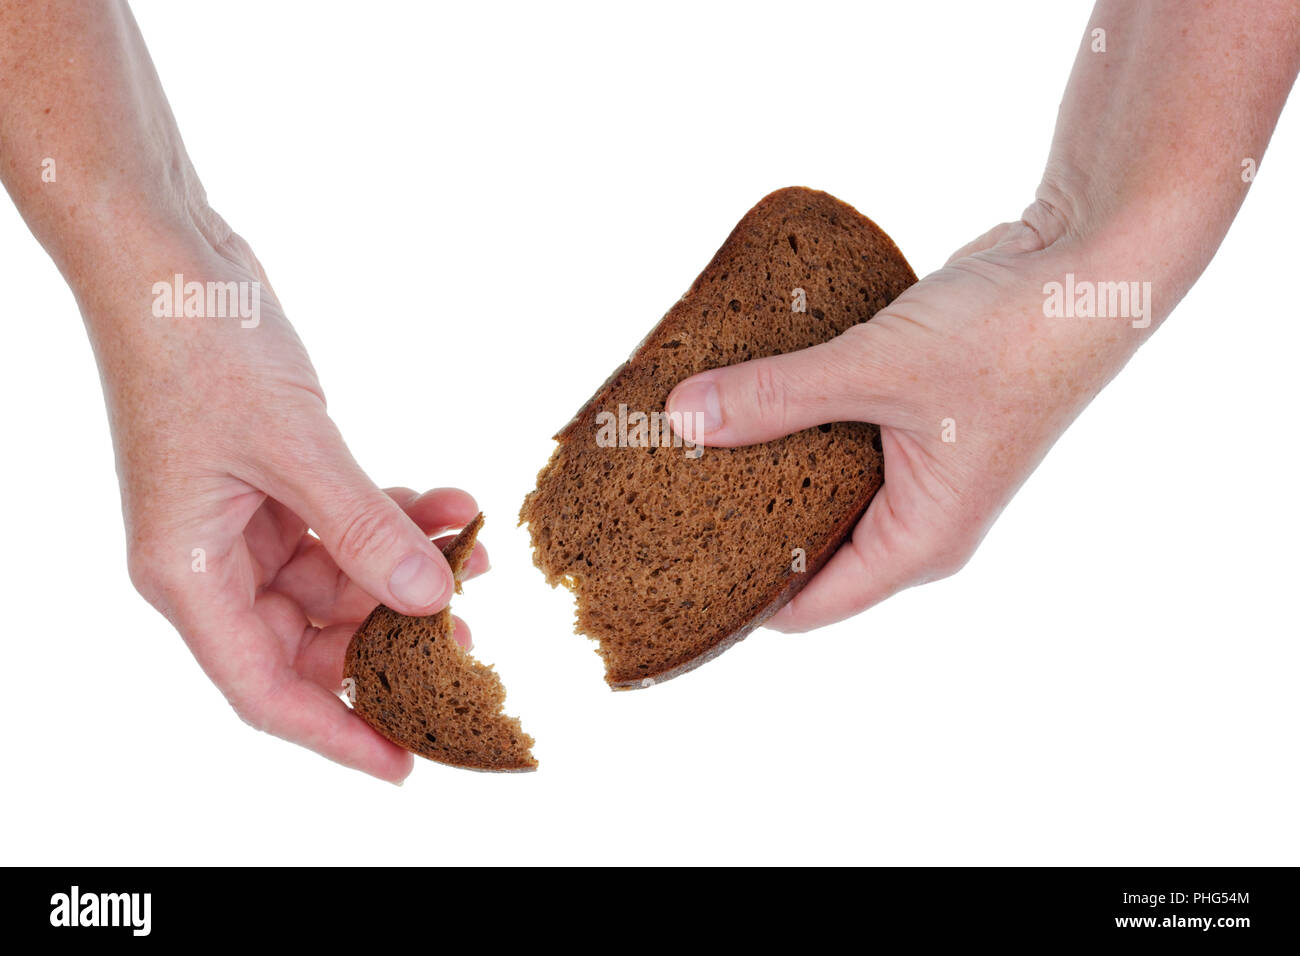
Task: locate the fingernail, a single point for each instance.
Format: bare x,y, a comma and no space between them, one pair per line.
418,582
460,634
699,405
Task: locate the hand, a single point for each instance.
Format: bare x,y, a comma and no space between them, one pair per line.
965,354
226,457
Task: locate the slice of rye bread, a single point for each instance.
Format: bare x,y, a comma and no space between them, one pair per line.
673,559
420,689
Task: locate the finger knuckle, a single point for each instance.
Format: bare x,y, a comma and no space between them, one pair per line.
145,576
247,713
770,396
948,562
252,710
152,565
860,360
954,552
364,531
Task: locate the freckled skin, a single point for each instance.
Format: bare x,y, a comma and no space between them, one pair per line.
220,432
221,435
1141,184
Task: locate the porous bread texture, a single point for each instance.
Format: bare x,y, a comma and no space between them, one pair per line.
420,689
673,558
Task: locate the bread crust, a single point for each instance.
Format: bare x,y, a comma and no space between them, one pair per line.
804,211
416,687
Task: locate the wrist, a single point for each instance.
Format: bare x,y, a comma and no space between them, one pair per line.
105,248
163,297
1066,301
1162,231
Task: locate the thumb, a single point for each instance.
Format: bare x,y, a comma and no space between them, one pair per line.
767,398
366,532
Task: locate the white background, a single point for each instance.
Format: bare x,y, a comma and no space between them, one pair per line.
472,214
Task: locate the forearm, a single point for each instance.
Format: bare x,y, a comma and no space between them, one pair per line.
1143,180
78,90
1153,132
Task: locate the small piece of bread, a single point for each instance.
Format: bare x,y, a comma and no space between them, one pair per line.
673,558
416,686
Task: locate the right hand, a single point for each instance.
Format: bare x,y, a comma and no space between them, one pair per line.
967,345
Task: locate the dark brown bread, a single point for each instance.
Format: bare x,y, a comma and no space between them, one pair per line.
418,687
672,558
